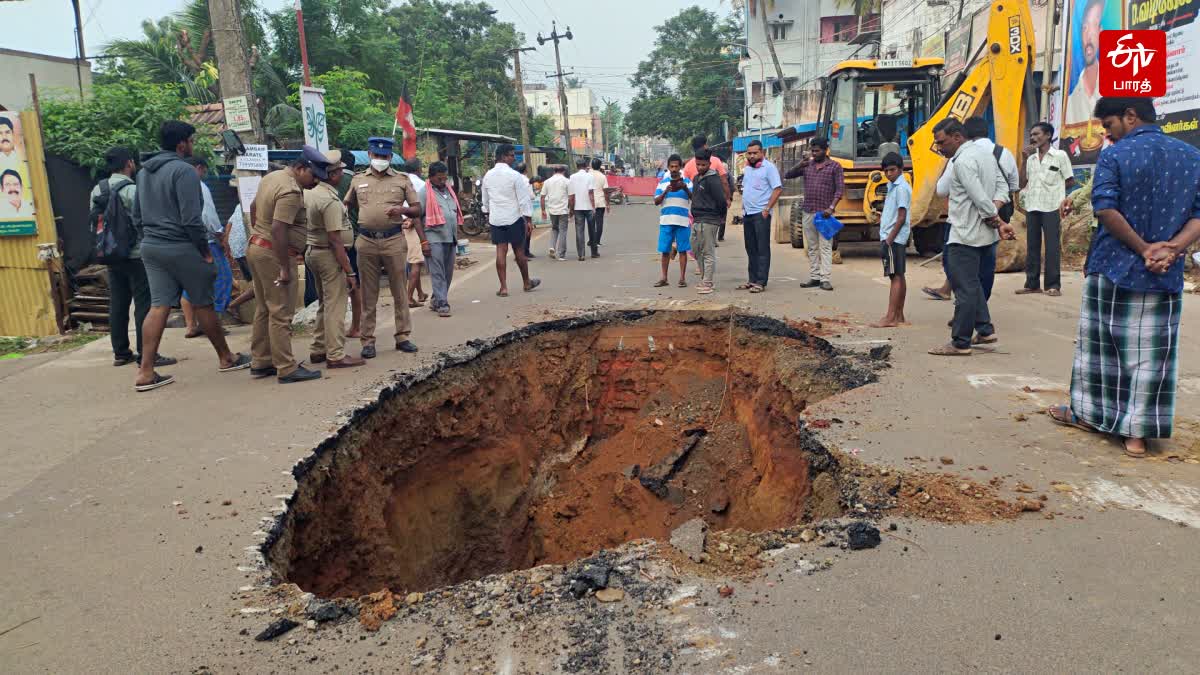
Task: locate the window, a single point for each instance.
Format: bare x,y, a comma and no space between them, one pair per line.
757,92
779,29
845,28
841,128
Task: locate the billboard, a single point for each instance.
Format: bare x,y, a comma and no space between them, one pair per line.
1179,108
1081,135
16,189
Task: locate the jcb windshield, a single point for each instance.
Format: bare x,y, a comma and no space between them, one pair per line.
870,119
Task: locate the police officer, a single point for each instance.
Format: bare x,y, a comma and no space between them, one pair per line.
279,230
379,194
329,237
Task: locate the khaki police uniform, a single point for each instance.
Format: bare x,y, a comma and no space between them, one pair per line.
327,219
381,243
279,197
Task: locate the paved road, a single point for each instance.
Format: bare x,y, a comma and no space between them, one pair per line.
116,547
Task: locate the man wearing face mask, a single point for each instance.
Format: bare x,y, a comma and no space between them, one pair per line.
379,194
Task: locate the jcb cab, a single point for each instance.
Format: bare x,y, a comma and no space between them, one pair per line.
871,107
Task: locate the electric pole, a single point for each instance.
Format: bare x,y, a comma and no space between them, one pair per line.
562,91
522,107
233,59
79,46
1048,58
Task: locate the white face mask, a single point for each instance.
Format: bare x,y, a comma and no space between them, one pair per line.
380,165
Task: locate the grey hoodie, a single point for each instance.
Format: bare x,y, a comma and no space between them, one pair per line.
169,203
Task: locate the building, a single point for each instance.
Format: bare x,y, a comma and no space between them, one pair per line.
587,131
56,76
810,37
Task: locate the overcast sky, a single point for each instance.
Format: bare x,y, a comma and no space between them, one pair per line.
610,37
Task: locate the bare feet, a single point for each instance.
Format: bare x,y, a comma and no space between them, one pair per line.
888,322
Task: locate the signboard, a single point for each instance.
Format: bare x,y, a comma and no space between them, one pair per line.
1179,108
237,114
312,105
255,159
934,46
16,189
958,47
247,187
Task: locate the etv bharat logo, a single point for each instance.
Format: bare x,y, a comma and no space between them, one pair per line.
1134,63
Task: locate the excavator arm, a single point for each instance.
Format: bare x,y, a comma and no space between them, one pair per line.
1002,79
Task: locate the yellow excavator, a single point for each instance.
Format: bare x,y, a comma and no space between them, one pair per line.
871,107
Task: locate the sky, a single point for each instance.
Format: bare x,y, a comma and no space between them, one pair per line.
609,38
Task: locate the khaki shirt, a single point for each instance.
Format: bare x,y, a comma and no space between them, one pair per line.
279,198
326,213
373,193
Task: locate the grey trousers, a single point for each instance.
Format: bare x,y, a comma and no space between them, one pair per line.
704,246
558,236
820,249
970,303
584,225
441,272
1049,224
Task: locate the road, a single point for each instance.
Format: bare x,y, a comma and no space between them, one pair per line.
127,522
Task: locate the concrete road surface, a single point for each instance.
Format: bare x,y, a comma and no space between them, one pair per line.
128,521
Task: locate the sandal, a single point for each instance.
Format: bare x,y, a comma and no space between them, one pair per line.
533,283
413,304
933,293
193,333
745,287
1027,291
682,283
661,282
158,381
950,350
1129,452
502,294
705,290
755,288
1053,292
985,339
1063,416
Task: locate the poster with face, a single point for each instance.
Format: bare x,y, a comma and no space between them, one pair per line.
1082,135
16,194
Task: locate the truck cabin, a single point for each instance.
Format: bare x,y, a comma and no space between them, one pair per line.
870,108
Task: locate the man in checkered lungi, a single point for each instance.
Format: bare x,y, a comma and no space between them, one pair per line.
1146,195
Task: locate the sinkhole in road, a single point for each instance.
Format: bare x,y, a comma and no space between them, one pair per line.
549,443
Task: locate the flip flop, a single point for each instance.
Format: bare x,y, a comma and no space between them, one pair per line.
1027,291
502,294
755,288
985,339
414,305
661,282
193,334
950,350
240,362
744,287
682,283
705,290
533,284
933,294
1136,454
1067,418
1053,292
158,381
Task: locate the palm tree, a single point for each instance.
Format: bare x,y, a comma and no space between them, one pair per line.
761,7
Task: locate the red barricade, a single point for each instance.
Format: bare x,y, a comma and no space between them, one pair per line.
634,186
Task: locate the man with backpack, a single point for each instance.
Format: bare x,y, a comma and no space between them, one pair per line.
117,245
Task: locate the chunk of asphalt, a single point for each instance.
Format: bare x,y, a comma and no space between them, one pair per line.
592,577
690,538
655,477
277,628
861,534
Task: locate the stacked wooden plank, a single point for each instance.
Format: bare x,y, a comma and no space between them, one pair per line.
90,301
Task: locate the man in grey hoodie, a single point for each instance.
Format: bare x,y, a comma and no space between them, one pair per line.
175,251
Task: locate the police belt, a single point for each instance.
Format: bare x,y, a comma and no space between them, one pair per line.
266,243
380,234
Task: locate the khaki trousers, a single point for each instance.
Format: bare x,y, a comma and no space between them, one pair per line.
820,249
391,254
271,335
329,335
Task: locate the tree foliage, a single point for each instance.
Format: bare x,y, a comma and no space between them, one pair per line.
127,113
685,86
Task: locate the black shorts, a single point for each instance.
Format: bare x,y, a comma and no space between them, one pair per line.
894,257
513,235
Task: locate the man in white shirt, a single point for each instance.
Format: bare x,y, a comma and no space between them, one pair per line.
599,200
555,202
580,197
506,201
1048,174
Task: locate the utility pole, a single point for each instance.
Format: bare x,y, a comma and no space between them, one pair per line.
232,58
1048,57
79,45
522,107
562,91
303,43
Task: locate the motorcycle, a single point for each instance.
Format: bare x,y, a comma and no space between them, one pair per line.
474,221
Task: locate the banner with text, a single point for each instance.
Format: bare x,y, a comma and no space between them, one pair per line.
1179,109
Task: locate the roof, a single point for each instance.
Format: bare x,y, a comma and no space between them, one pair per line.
767,136
41,57
469,135
207,115
873,64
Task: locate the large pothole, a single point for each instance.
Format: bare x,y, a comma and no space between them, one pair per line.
561,439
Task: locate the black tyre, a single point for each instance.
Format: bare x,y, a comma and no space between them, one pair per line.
797,229
928,240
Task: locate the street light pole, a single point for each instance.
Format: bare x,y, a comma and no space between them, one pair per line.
562,91
762,76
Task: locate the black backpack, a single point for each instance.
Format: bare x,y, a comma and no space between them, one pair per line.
114,235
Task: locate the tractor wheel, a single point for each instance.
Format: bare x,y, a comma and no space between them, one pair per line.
928,240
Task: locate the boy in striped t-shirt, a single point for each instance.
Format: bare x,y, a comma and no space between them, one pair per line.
674,194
